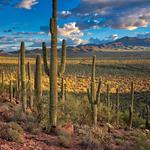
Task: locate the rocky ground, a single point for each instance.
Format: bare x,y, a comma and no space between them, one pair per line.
105,137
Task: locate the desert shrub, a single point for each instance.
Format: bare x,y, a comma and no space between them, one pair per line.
94,138
143,141
76,110
64,138
11,132
137,120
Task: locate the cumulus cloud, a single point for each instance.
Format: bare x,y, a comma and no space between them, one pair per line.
124,14
27,4
72,33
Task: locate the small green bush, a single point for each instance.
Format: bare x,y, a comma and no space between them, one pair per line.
11,132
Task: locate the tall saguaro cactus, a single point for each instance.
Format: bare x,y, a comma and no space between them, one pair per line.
147,117
117,105
93,95
22,72
37,87
52,71
131,105
30,94
108,102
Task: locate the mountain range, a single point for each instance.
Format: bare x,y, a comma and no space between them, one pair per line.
125,43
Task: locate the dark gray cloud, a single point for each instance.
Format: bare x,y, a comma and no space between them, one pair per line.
126,14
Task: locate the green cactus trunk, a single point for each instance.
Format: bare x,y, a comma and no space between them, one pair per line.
108,102
10,91
30,93
45,59
22,71
54,70
147,117
18,76
93,95
3,75
63,94
117,106
63,59
131,105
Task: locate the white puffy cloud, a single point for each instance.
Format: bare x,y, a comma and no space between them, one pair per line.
72,33
27,4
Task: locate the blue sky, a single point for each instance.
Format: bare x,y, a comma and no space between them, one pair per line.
79,21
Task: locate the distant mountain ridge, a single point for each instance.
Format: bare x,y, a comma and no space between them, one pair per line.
125,43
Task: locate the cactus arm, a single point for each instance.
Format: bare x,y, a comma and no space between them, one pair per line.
29,70
63,59
45,59
98,91
89,96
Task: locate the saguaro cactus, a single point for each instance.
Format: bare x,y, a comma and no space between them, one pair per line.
10,91
131,105
62,93
53,71
37,86
108,102
30,94
117,105
93,95
3,75
147,117
22,72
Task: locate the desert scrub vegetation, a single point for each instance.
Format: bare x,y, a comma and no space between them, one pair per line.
11,132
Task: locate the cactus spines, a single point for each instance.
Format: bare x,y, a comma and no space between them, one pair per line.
93,95
147,117
29,71
45,59
117,105
22,72
63,59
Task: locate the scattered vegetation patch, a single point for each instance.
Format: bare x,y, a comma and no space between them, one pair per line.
11,132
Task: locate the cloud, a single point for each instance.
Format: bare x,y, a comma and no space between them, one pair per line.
72,33
123,14
64,14
27,4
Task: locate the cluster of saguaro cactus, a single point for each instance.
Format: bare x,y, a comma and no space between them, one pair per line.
93,95
22,73
131,106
